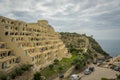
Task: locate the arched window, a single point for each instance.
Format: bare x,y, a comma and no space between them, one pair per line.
3,20
16,28
6,33
6,27
9,53
12,22
16,33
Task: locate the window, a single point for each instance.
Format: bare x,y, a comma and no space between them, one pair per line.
4,65
12,22
3,20
16,33
9,53
10,61
25,52
22,38
20,33
37,44
13,60
18,60
39,56
0,56
32,58
4,54
16,28
12,33
6,27
23,29
6,33
12,39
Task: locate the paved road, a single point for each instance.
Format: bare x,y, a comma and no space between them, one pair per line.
99,73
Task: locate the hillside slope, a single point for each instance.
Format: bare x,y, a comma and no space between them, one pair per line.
80,43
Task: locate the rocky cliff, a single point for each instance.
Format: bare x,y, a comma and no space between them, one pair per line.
80,43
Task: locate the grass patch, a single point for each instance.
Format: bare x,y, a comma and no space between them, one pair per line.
65,64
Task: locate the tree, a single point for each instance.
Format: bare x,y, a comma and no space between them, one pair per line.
37,76
51,66
60,68
118,76
3,77
79,62
56,61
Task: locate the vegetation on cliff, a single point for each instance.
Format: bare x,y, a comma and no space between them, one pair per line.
77,43
95,45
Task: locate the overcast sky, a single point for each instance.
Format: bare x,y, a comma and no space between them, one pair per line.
100,18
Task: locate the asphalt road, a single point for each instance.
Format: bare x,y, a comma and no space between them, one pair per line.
99,73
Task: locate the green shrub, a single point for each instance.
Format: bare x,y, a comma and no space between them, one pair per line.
118,76
3,77
56,61
104,79
60,69
79,62
19,72
37,76
51,66
13,75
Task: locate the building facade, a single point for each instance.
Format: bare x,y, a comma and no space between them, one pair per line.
31,43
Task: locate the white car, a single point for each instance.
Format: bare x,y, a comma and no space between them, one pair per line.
75,77
87,71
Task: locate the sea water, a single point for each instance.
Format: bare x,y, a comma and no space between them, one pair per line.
110,46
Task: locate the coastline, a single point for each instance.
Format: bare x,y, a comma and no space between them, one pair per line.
110,46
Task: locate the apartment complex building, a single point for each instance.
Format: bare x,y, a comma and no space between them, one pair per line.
29,43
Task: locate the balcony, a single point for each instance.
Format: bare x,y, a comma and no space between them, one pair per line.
2,45
7,59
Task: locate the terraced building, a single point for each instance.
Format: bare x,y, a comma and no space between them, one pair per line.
29,43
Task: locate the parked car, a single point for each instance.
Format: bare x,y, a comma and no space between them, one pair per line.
75,77
99,61
95,62
87,71
107,60
117,68
61,75
91,69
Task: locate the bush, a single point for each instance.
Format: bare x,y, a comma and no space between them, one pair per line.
79,62
56,61
25,67
13,75
118,76
19,72
37,76
51,66
3,77
104,79
60,69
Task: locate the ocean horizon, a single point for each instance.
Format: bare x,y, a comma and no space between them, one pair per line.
112,47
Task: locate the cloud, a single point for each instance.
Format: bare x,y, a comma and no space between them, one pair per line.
94,17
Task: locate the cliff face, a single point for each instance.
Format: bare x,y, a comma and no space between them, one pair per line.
77,43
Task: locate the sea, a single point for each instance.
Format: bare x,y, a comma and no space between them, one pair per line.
112,47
